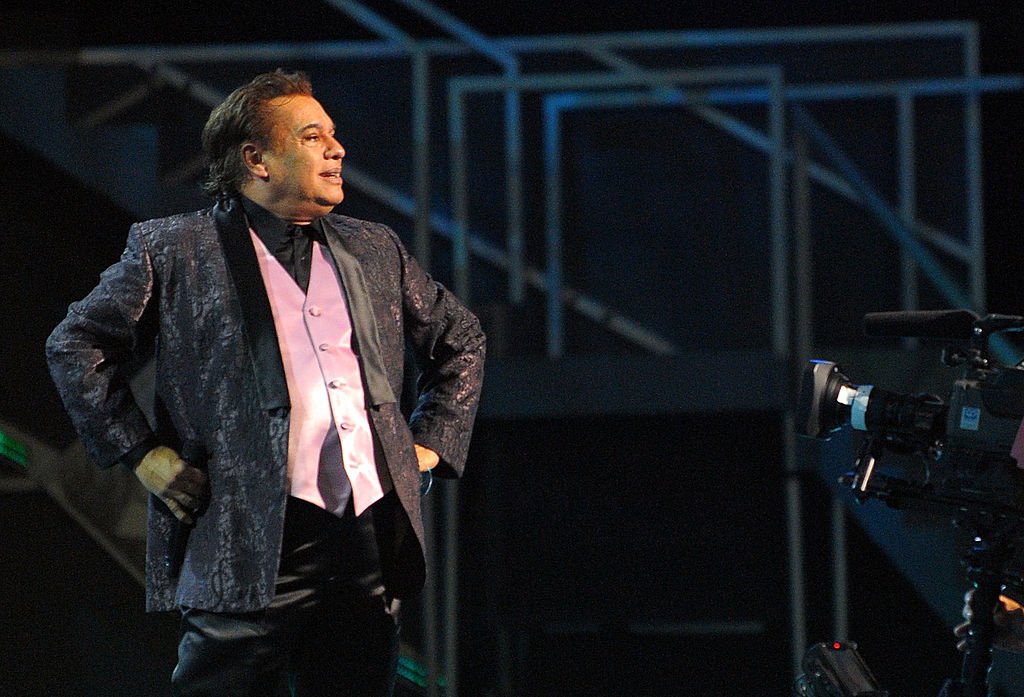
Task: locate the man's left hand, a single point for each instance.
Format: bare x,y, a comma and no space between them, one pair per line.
427,458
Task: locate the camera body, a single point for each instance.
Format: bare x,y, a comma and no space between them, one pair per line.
964,441
985,410
981,415
966,458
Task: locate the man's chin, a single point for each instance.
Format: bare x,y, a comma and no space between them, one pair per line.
326,205
329,202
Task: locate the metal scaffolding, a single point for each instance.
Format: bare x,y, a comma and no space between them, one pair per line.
705,73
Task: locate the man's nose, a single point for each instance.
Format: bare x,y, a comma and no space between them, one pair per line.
336,151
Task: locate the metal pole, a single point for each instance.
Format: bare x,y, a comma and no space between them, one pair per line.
946,285
975,194
372,21
553,227
460,199
449,605
840,572
804,342
514,195
802,254
781,337
908,195
430,590
484,250
794,536
513,132
780,235
421,155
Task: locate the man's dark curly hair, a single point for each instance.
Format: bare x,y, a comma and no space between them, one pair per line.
242,118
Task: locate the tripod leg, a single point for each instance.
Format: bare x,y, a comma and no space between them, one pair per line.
978,655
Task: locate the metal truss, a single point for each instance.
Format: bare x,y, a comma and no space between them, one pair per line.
629,69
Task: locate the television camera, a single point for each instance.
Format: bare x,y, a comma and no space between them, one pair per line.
966,446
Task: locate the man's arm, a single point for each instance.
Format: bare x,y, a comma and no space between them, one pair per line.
91,352
449,346
90,355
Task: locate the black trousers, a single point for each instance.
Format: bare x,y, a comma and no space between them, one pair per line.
330,630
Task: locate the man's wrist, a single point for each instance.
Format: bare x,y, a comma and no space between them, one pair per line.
133,457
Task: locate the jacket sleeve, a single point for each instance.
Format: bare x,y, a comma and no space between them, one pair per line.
92,352
449,346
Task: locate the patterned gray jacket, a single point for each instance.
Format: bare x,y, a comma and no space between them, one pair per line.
187,290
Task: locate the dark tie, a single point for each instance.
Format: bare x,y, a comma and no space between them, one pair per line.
299,251
331,479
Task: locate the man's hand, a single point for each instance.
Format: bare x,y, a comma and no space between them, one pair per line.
1008,616
427,458
179,485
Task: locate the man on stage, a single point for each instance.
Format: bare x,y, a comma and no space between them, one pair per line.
279,331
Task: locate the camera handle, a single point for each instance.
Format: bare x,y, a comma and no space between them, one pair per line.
864,467
984,562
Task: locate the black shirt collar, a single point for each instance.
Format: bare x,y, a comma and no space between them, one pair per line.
271,230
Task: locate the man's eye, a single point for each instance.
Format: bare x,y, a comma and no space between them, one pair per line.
312,138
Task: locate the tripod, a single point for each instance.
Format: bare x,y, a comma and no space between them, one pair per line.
990,550
997,528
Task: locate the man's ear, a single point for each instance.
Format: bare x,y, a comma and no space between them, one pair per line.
252,156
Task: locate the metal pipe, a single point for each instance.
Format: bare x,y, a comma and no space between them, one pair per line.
780,235
840,572
949,289
449,604
421,156
514,241
575,299
460,195
975,193
430,590
822,175
373,21
553,223
513,45
553,106
513,135
803,340
906,171
113,107
465,34
579,81
795,545
781,338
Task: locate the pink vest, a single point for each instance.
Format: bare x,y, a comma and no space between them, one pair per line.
325,384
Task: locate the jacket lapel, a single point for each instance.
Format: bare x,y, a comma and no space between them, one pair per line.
342,243
257,319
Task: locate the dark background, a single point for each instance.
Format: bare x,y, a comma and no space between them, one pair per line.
554,528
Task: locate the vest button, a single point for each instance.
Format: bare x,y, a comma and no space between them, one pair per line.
315,311
324,347
336,384
345,426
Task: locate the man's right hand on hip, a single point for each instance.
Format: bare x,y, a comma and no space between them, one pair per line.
178,484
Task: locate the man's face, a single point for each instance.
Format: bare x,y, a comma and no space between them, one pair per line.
303,160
